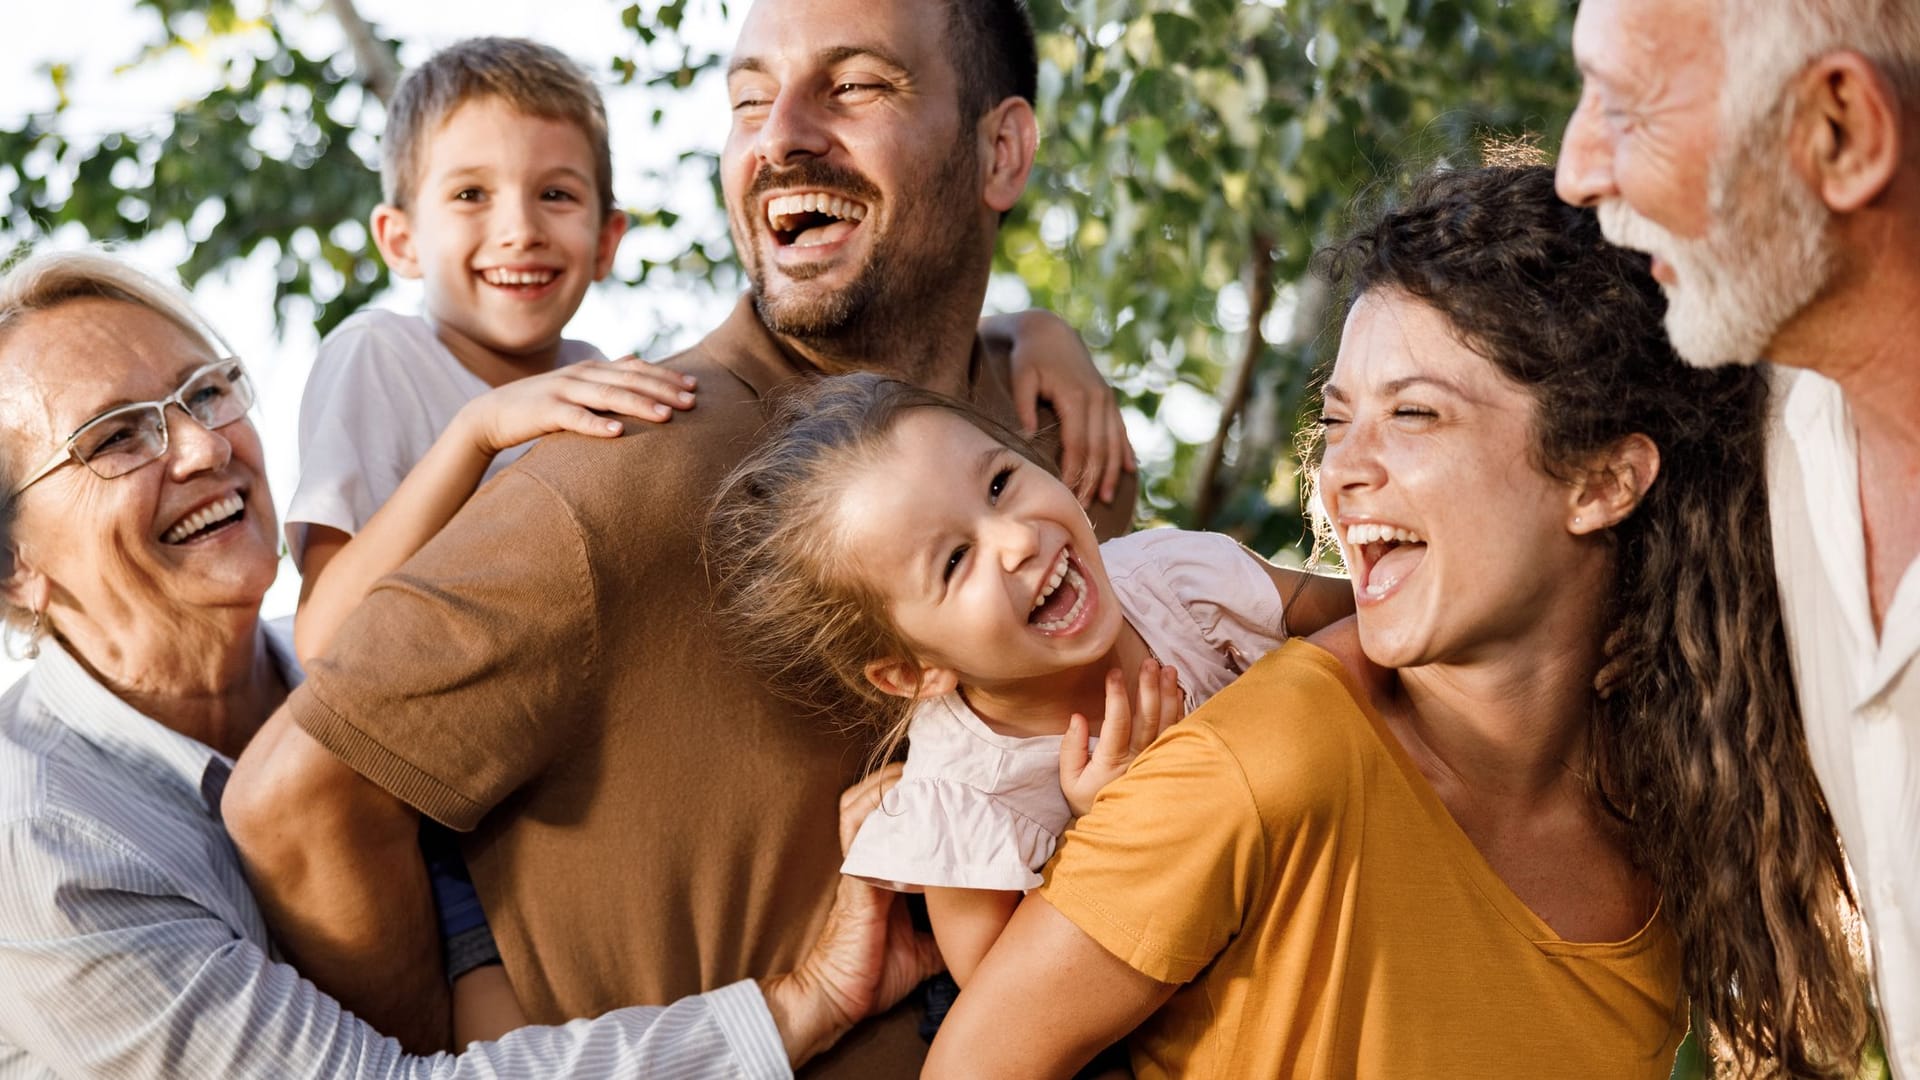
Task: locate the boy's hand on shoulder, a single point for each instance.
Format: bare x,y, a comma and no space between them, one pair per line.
571,399
1049,362
1123,733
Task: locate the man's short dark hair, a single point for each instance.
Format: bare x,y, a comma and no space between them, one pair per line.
992,52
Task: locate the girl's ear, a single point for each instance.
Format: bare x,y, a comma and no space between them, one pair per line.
1614,486
903,678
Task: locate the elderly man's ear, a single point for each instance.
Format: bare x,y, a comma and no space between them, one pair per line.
1009,137
1613,485
1847,134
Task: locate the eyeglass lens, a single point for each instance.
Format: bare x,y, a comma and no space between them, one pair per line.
123,440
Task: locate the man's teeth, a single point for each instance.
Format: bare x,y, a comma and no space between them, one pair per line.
204,517
783,209
1369,533
499,276
1060,568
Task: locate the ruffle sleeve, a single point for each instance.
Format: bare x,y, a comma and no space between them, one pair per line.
939,832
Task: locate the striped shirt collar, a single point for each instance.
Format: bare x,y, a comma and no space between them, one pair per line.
78,700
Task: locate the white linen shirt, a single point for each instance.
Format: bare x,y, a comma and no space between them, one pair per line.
1859,691
381,391
130,945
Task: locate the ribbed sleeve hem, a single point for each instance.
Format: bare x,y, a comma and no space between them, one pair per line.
392,773
740,1010
1122,941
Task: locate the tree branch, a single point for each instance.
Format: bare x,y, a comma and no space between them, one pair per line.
1206,501
380,72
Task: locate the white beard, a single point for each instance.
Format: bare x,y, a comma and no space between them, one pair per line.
1764,257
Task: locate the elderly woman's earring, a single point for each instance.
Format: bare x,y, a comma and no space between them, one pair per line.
33,638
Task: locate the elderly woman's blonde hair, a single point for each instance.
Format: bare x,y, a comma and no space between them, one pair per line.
43,282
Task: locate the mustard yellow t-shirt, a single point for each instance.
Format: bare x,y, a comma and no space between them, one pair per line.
1280,855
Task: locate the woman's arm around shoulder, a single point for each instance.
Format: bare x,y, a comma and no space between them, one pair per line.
1045,1000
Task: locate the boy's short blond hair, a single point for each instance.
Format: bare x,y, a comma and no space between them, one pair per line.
536,79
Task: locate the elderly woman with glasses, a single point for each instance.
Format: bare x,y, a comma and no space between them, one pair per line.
137,539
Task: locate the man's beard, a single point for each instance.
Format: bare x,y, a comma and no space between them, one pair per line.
907,270
1764,257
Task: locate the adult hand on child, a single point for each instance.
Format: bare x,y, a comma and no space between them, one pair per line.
866,958
863,798
570,399
1049,362
1123,733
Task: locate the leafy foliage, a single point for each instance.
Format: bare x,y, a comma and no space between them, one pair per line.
1194,154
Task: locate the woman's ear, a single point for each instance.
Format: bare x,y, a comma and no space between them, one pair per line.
23,586
1613,486
903,678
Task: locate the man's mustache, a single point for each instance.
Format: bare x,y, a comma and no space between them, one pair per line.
813,173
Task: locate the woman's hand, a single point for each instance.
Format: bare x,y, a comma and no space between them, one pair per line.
1049,362
570,399
1123,733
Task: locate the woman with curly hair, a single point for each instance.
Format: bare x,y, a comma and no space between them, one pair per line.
1419,843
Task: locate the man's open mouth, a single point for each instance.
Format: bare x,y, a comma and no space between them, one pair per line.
812,218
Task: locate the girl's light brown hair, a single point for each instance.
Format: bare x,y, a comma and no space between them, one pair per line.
797,611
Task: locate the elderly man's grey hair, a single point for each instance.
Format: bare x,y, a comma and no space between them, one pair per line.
45,281
1768,41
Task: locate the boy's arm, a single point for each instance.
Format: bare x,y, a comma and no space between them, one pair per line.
338,570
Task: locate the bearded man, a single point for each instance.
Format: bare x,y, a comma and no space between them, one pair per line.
1768,157
647,821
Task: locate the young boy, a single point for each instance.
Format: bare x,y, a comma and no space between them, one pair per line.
498,186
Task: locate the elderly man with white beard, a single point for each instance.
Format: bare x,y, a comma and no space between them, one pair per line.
1768,157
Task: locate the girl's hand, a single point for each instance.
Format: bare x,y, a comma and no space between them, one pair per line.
1049,362
1123,734
568,399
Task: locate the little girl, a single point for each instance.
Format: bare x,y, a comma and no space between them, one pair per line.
892,556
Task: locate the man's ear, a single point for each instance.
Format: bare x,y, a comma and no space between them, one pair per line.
611,231
1009,137
1847,130
1613,486
393,235
902,678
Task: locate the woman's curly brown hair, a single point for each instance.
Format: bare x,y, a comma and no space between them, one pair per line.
1699,747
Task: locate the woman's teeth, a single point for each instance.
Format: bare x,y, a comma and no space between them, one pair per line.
204,517
1369,533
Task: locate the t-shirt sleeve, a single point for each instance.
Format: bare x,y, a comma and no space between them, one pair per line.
936,832
1164,867
464,672
361,430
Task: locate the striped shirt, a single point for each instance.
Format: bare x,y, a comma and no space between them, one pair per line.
131,947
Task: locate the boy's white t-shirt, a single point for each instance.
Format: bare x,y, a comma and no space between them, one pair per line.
976,809
382,390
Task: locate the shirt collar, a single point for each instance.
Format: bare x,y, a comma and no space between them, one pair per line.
1820,425
78,700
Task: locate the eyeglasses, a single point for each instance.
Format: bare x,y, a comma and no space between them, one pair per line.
124,438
